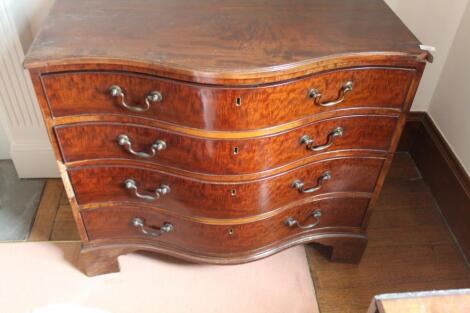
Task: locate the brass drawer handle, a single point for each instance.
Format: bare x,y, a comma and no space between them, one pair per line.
291,222
162,190
300,185
152,97
316,95
148,231
125,141
310,143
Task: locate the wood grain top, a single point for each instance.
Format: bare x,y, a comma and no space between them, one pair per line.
218,37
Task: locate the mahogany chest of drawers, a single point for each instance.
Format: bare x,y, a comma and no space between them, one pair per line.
223,131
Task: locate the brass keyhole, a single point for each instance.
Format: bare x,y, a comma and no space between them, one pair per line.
231,232
235,150
233,192
238,102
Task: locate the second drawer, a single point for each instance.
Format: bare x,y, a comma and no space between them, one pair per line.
211,199
91,141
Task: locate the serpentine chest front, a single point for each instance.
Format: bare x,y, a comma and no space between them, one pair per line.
223,131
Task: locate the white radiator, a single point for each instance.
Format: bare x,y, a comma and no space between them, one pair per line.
19,112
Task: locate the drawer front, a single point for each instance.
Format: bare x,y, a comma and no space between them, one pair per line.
119,223
223,200
92,141
224,108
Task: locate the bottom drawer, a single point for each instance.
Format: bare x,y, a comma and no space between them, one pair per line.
219,236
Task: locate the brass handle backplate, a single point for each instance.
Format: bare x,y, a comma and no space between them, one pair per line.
291,222
150,231
310,143
300,185
316,95
130,184
125,141
153,97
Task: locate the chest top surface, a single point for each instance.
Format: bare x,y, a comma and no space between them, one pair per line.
214,36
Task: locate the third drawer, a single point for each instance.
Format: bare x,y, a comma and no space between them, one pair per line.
218,199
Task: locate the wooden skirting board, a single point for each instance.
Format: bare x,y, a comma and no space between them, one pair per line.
445,176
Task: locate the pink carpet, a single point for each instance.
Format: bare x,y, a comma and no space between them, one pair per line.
35,276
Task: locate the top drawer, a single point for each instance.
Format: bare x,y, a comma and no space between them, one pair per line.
221,107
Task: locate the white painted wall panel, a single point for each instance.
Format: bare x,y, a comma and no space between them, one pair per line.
435,23
450,106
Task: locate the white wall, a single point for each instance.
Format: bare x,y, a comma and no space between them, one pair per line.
28,16
450,106
18,9
435,23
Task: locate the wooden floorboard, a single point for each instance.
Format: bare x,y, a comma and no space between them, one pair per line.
54,220
410,249
64,228
403,167
401,194
409,235
46,213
